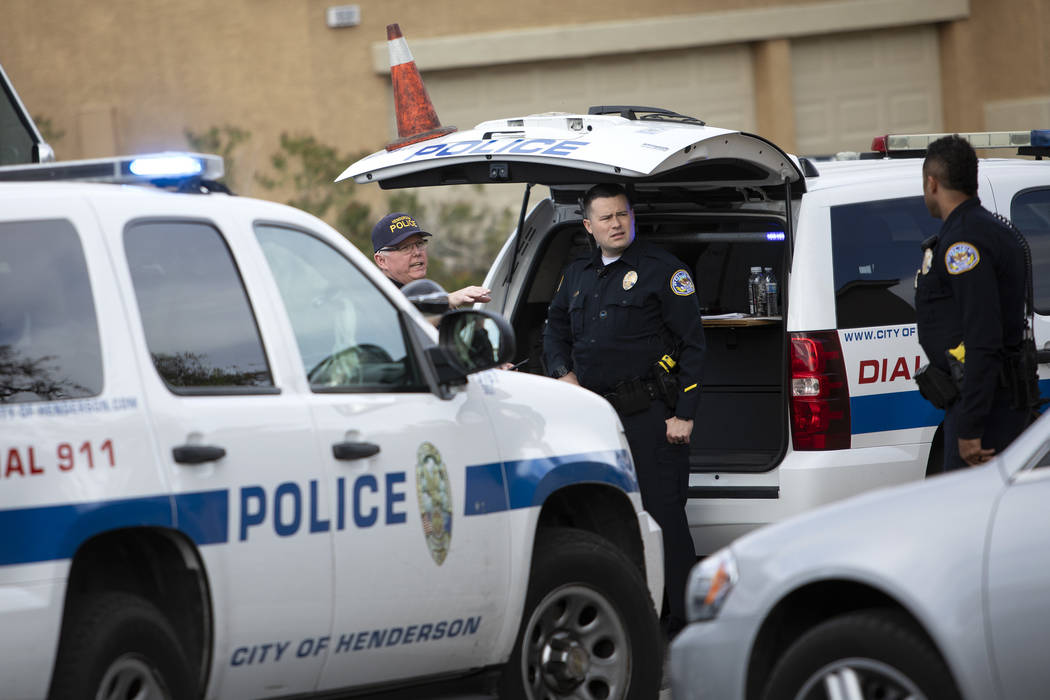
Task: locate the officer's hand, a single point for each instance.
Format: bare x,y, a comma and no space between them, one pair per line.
679,430
972,452
468,295
570,378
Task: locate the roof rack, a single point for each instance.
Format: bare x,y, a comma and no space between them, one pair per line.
1035,142
186,172
634,112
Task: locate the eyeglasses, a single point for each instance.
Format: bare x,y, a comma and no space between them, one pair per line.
419,245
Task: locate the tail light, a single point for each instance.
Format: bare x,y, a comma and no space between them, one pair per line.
819,392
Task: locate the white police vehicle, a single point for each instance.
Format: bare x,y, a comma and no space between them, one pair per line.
235,462
808,406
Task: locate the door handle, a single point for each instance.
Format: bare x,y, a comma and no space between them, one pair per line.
197,454
354,450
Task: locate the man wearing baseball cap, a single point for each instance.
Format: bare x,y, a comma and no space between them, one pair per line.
401,253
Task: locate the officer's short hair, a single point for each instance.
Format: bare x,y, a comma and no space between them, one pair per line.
953,162
602,191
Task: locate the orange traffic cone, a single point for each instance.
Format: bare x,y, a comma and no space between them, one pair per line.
416,119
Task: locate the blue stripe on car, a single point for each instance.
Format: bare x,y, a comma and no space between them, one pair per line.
528,482
900,410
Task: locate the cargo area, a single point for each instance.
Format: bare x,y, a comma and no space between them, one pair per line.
741,423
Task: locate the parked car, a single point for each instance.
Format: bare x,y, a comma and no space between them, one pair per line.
939,589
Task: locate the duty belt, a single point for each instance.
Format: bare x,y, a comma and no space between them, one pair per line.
633,395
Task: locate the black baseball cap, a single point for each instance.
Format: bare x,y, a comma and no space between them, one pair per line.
394,228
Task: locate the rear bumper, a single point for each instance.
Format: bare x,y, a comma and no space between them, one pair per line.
802,481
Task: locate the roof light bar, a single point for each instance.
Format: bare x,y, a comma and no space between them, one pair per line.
900,144
161,169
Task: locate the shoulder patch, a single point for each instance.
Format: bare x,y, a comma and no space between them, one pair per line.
682,283
961,257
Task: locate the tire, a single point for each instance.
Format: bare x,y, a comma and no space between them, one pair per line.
589,629
117,646
878,651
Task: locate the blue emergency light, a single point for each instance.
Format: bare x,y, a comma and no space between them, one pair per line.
172,169
166,166
1041,138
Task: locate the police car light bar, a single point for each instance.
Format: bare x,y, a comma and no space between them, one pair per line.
1034,142
161,169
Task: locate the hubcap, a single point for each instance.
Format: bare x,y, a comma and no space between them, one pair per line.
859,679
130,678
576,646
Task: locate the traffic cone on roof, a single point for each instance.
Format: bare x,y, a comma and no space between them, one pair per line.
416,119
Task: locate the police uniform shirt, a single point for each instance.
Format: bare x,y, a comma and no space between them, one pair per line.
611,323
971,289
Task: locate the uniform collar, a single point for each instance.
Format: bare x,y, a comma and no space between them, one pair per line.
630,256
962,208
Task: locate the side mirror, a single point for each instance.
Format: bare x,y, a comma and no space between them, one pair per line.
475,340
427,296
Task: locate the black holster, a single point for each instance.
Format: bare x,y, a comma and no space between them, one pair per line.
1020,376
631,396
936,386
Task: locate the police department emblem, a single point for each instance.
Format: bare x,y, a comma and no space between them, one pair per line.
927,260
629,279
961,257
435,501
682,283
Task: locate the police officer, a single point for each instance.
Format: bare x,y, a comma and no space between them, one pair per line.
401,253
970,303
613,318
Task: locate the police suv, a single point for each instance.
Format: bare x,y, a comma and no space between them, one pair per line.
235,462
805,405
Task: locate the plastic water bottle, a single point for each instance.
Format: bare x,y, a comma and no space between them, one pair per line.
754,281
772,288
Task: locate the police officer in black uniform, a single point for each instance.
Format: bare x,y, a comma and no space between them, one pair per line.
613,318
970,303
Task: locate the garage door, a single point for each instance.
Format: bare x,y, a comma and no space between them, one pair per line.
714,84
852,87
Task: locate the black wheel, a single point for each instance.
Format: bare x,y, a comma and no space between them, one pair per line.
589,628
117,646
869,654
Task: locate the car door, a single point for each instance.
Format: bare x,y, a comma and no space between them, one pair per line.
419,589
240,452
1030,212
1018,581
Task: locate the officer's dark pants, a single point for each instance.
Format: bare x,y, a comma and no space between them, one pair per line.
663,478
1003,425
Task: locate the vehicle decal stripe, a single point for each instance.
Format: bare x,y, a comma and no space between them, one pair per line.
901,410
204,516
896,411
486,491
530,481
55,532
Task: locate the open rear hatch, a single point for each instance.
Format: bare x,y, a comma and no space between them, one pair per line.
556,149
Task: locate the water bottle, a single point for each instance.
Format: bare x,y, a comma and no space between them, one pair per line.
761,303
753,283
772,303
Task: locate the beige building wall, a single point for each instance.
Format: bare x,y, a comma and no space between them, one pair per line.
132,76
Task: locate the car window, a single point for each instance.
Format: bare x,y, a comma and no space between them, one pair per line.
349,334
1030,212
49,340
198,321
876,249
